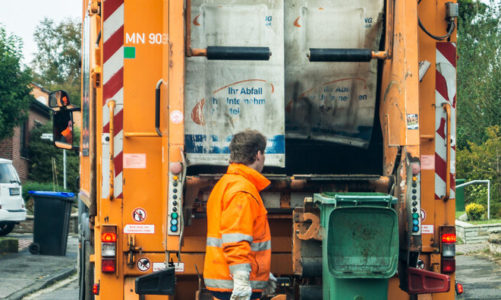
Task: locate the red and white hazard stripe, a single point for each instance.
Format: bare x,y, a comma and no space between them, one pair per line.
445,92
113,70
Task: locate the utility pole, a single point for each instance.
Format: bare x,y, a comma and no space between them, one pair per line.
64,168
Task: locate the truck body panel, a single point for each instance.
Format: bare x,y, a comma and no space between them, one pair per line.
157,118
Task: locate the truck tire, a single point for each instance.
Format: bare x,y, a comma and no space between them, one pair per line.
86,272
85,267
6,228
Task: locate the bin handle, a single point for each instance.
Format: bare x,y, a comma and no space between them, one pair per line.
111,106
447,108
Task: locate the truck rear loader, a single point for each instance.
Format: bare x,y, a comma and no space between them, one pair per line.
357,102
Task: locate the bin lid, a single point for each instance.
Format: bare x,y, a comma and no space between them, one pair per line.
354,199
361,234
52,194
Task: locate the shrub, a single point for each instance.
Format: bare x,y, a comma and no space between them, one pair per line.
475,211
42,154
37,186
496,210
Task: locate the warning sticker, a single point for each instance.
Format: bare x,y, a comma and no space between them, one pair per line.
427,229
139,228
158,266
179,267
176,116
135,160
412,121
143,264
139,214
427,162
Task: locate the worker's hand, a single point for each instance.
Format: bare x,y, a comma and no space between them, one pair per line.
241,286
269,290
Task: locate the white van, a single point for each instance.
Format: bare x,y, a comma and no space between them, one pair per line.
12,209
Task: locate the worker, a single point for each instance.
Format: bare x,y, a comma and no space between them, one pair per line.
66,134
238,251
62,98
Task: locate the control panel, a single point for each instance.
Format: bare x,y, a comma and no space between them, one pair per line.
414,204
175,204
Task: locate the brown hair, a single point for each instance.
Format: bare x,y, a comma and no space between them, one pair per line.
245,145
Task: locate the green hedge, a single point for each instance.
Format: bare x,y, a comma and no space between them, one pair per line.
38,186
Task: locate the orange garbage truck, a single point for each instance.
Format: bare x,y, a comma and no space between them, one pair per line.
356,99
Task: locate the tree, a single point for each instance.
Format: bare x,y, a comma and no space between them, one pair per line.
14,84
57,61
479,71
483,161
43,152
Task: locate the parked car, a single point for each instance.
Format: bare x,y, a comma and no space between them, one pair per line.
12,208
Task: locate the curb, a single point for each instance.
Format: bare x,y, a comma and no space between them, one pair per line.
39,285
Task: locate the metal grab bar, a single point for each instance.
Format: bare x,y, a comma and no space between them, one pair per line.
157,107
158,133
447,108
111,106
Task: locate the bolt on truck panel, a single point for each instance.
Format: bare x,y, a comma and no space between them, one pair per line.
357,103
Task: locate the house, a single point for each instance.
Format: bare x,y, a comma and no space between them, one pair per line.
15,148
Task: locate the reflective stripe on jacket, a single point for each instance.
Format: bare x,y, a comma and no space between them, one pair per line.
238,234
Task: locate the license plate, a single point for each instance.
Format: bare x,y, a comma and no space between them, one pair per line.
14,191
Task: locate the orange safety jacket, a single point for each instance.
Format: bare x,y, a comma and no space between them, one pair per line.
67,134
238,233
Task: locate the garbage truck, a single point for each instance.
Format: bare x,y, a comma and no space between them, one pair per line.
356,99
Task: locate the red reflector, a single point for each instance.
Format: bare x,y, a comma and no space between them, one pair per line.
449,238
109,237
108,266
448,265
95,289
459,288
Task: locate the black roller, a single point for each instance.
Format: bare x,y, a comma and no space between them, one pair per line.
310,292
312,266
340,55
238,53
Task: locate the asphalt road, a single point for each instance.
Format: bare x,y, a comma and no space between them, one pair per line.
480,276
63,290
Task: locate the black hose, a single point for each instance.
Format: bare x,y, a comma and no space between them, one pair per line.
451,26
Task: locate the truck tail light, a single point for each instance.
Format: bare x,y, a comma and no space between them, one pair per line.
95,289
448,265
109,249
459,288
448,246
108,265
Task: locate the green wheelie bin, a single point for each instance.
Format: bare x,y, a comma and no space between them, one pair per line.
359,246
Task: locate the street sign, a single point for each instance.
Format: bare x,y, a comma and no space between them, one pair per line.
46,136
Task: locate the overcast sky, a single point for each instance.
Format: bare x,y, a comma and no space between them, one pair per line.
21,17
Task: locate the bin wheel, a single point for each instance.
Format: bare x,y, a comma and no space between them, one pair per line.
34,248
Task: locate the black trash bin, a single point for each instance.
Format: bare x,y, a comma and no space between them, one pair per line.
51,222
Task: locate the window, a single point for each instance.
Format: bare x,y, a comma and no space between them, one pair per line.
8,174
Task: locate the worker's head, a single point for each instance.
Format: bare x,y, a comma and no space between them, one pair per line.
247,147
